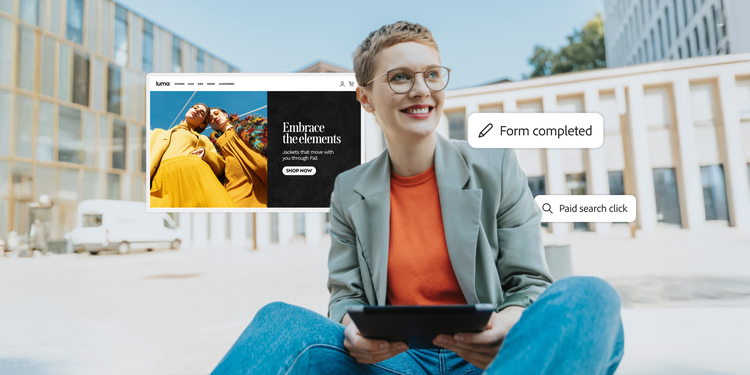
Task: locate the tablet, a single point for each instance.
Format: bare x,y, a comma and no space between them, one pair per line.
417,326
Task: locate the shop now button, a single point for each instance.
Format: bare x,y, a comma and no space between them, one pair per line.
298,171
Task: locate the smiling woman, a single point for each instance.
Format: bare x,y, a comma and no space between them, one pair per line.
433,221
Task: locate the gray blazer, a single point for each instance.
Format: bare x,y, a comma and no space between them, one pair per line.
492,229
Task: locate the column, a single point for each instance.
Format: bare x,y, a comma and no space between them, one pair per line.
597,179
262,229
313,228
641,172
218,235
373,137
553,167
735,167
688,172
186,230
510,106
238,231
200,229
286,227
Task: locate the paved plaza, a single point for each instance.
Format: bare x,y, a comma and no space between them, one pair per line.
686,300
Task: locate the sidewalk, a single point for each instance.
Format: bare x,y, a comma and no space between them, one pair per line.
178,312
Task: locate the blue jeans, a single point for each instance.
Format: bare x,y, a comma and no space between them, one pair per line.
574,328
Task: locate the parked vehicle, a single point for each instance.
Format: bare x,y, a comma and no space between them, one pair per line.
122,226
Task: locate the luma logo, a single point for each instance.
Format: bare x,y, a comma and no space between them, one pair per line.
162,83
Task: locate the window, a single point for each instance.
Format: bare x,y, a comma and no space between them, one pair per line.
669,30
113,186
176,55
45,145
661,39
91,185
456,124
104,30
168,225
47,69
697,42
714,192
689,49
29,11
68,184
6,45
199,63
576,185
75,21
4,123
121,35
81,78
684,13
119,144
92,25
537,187
705,34
70,146
643,14
676,19
667,200
114,89
143,150
88,139
616,183
23,111
92,220
640,55
653,45
299,223
148,46
63,75
26,58
679,51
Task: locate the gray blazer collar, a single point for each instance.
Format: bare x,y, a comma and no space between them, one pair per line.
460,208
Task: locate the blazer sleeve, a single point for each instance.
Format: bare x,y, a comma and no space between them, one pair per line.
212,157
344,279
521,265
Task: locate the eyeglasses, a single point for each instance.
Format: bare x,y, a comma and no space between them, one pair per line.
402,80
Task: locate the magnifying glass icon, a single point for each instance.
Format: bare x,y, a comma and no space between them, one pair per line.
547,207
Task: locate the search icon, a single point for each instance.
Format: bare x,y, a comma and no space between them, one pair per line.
547,207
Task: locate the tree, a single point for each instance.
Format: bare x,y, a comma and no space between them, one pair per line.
585,51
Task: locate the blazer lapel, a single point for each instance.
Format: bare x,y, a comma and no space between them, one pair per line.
461,210
372,219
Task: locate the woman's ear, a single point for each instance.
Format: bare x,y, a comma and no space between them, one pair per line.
364,99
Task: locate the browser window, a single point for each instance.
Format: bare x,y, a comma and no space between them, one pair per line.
250,142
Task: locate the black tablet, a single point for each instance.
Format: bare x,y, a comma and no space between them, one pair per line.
417,326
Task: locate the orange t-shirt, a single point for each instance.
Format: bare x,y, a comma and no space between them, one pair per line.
419,267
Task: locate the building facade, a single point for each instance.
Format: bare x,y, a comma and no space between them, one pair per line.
677,136
72,105
641,31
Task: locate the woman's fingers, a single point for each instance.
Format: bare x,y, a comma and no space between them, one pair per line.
374,356
448,342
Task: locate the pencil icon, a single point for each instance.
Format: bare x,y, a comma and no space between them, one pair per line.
485,130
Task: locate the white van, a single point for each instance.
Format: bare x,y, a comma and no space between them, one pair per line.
121,226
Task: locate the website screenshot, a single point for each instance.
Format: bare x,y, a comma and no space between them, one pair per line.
261,142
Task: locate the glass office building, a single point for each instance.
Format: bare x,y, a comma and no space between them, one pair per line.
72,105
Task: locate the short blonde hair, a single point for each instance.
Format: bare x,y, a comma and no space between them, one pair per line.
384,37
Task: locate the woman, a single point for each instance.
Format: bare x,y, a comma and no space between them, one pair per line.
246,170
185,167
434,221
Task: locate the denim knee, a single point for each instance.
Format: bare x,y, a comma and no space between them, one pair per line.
589,289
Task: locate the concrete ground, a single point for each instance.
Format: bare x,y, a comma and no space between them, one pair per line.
686,300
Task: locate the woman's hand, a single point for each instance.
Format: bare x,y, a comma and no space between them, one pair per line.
199,152
480,349
367,350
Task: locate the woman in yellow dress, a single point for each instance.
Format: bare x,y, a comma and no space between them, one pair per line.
246,171
185,167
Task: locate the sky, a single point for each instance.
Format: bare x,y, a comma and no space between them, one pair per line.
482,41
166,105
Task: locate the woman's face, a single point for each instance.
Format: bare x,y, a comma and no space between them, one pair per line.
414,114
218,119
196,115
